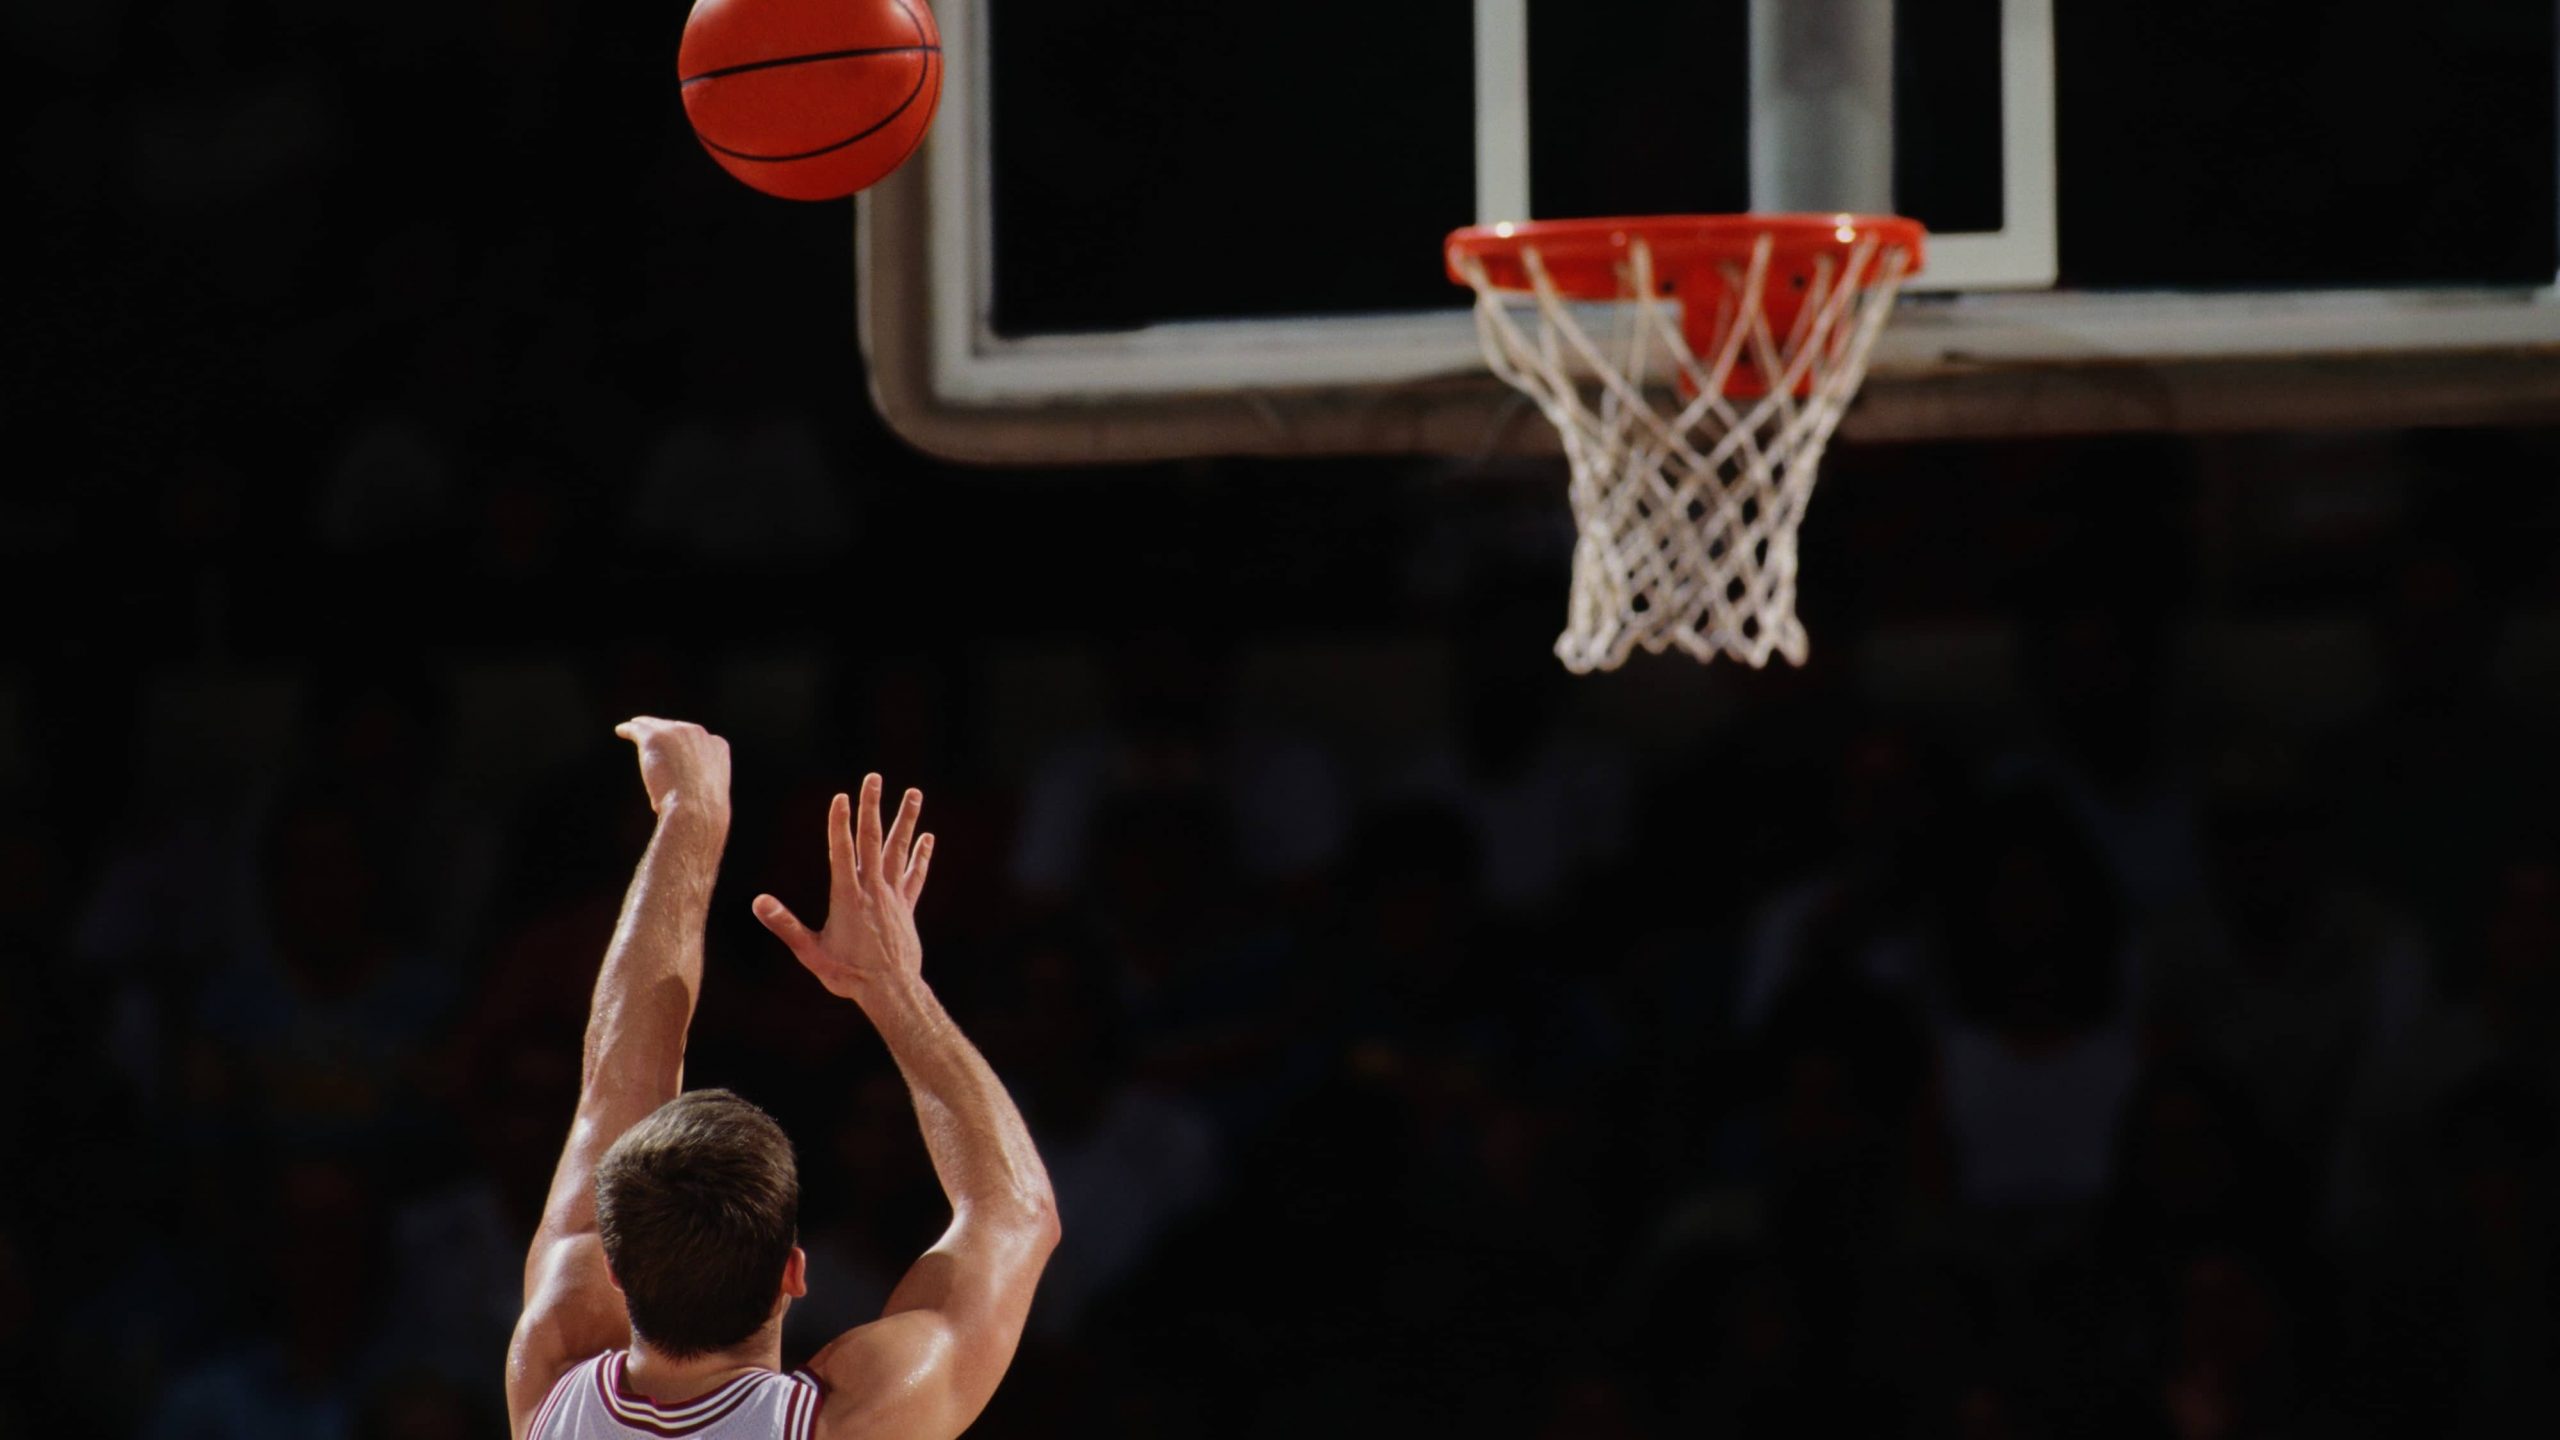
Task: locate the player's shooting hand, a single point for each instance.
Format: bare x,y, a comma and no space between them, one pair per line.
870,934
681,764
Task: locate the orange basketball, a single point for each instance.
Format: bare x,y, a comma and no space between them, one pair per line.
810,99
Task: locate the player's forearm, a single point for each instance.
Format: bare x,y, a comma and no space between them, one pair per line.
981,1150
652,971
636,1025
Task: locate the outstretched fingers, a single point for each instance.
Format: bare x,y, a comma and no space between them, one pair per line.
858,852
840,852
866,835
895,855
919,862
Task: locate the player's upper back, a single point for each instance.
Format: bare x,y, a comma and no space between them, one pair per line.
595,1402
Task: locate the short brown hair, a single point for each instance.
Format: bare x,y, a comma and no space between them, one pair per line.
699,1206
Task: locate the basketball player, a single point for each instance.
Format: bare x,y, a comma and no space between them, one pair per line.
655,1289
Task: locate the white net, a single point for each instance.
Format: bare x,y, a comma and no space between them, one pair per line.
1686,501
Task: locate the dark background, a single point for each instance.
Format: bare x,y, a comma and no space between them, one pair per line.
2113,990
1155,162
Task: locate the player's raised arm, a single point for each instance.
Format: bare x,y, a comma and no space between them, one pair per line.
929,1364
634,1054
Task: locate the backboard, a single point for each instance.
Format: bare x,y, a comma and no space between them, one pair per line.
1142,230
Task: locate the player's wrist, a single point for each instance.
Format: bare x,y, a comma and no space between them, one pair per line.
894,1002
699,816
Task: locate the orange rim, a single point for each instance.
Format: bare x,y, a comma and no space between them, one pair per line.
1586,259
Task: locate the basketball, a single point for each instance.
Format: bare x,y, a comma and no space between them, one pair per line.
810,99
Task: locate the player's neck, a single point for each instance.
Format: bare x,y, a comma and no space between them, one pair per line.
665,1381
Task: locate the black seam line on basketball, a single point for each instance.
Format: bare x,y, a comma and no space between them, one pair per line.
921,72
807,60
912,22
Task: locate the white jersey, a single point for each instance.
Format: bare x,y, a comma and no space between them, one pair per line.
595,1402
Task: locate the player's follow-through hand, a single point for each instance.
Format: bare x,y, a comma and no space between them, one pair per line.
680,764
870,934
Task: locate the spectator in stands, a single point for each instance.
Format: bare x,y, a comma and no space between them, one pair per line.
2296,981
2038,1037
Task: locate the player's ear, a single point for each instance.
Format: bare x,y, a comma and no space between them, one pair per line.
795,1273
613,1279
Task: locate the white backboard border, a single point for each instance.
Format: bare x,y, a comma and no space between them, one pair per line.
1978,348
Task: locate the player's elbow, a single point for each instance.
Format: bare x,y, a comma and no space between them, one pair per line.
1025,1220
1036,1225
1034,1222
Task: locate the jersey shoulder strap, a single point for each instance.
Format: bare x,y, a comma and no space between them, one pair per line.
577,1375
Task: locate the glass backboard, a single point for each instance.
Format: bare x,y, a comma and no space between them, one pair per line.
1141,229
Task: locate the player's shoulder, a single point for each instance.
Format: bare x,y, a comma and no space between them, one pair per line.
888,1380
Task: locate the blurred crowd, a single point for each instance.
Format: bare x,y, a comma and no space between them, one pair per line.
2091,1073
2079,1059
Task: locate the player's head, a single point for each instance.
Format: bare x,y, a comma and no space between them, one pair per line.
699,1207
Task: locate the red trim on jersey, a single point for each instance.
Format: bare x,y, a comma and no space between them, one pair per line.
628,1399
672,1420
812,1398
642,1414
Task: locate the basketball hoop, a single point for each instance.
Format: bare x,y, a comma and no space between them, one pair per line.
1686,506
